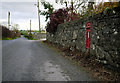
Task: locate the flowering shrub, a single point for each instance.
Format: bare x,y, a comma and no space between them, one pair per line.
58,17
71,17
6,33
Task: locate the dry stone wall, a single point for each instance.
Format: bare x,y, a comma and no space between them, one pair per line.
39,36
104,36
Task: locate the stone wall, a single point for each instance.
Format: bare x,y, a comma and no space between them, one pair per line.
40,36
104,36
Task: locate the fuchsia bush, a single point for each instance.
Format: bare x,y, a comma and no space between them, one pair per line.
58,17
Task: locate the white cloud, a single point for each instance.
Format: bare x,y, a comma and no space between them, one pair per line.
18,0
3,20
22,11
25,24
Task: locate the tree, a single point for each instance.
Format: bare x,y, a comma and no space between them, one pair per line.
74,4
104,6
49,10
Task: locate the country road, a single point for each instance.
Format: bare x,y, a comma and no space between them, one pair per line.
29,60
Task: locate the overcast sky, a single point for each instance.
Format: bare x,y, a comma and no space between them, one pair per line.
22,11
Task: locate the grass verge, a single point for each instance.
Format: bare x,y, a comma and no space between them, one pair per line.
9,38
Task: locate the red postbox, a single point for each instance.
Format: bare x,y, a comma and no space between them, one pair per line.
88,35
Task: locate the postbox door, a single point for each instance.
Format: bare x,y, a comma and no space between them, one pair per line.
88,38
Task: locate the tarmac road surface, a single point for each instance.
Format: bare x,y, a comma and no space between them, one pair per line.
29,60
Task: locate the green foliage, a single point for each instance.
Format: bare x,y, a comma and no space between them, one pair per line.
49,9
23,32
6,38
74,5
94,9
29,36
84,9
104,6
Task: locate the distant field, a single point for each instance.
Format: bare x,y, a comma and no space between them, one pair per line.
26,31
